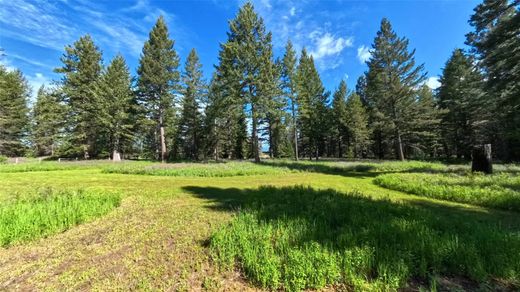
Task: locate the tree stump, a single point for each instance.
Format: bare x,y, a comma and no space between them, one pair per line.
481,159
116,156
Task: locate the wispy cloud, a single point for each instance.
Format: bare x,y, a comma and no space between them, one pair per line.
363,54
55,24
38,23
288,19
328,45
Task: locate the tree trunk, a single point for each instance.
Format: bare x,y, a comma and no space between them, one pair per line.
163,140
116,156
254,138
399,146
340,154
481,159
295,132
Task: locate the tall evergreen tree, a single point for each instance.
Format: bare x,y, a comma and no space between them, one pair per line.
253,65
392,80
115,92
48,115
425,134
357,126
14,119
495,42
193,91
288,77
158,79
81,71
312,105
224,114
339,115
461,96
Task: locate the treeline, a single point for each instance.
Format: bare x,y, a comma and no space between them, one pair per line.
255,99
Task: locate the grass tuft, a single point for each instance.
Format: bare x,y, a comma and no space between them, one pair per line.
49,212
501,191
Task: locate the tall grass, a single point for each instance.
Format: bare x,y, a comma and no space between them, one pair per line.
48,212
297,238
50,166
197,169
500,191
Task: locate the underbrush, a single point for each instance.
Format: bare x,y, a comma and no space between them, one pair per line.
196,169
297,238
48,211
500,190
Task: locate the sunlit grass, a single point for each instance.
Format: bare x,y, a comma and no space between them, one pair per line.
500,191
48,211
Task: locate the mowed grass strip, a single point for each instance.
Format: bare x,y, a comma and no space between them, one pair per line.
49,212
296,238
501,191
224,169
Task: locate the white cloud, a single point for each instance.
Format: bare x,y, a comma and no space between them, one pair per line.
36,81
327,45
363,54
433,82
292,12
4,62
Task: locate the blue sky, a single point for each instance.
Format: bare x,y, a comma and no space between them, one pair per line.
338,33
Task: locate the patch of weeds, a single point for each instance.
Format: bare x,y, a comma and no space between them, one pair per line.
49,212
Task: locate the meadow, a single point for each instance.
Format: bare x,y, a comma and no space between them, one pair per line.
278,225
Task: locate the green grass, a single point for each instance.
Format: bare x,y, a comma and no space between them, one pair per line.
47,212
196,169
297,238
189,226
500,190
50,166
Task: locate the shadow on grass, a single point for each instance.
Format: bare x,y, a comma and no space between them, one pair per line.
378,240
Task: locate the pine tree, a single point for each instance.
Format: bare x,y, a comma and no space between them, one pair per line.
252,63
339,115
288,77
224,114
48,115
81,71
158,79
425,134
114,90
495,42
14,120
312,105
190,124
357,126
461,97
392,80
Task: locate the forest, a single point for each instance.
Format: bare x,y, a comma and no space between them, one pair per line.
257,104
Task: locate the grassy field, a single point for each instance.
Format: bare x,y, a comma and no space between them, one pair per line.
240,226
